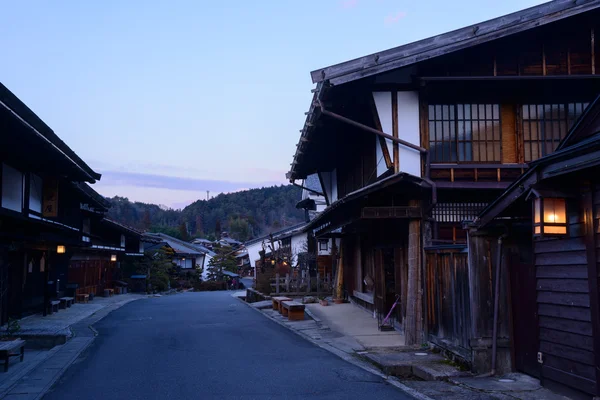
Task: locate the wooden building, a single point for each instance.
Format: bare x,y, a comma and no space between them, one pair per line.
545,228
50,219
410,142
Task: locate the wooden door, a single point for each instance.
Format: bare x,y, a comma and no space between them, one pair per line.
525,318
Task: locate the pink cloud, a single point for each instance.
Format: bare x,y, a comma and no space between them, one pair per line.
394,18
349,3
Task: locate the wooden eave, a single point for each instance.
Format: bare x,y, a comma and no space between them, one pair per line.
449,42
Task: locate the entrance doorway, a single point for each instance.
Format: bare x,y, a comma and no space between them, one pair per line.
524,310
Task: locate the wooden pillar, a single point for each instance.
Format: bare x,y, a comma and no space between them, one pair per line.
339,287
413,324
593,281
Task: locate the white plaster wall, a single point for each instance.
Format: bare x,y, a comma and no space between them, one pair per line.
298,246
383,103
35,193
408,129
12,188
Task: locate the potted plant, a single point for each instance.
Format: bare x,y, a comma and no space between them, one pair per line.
12,327
323,301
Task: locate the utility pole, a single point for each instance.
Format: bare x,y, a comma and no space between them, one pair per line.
207,195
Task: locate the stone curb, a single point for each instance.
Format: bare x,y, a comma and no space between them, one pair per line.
89,321
348,357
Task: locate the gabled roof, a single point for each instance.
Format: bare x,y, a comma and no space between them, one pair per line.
121,227
275,233
37,127
179,246
449,42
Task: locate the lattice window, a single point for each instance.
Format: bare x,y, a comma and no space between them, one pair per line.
545,125
457,212
465,133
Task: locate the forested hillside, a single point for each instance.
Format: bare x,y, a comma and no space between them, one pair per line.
244,214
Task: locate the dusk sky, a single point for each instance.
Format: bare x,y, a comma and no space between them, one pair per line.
169,99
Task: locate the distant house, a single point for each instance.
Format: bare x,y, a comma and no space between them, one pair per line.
186,255
203,242
313,198
227,241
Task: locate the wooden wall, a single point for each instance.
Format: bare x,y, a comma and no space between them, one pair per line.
448,300
565,327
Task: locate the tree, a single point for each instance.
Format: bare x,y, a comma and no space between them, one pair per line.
239,228
218,229
183,233
146,221
199,231
224,260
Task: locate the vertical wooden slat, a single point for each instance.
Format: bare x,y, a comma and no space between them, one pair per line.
509,133
593,52
590,244
543,60
395,131
568,61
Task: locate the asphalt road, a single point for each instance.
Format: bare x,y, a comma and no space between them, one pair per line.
208,346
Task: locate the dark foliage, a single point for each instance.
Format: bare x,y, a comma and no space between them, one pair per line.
244,215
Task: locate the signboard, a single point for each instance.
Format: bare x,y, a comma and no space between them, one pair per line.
50,200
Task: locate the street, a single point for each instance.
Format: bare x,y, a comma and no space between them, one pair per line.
208,346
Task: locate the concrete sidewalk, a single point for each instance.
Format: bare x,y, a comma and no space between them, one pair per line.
357,323
352,333
40,368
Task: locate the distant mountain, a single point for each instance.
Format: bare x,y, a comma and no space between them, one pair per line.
244,214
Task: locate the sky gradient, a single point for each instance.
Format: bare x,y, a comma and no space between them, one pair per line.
170,99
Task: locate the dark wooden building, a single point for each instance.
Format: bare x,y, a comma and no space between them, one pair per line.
546,229
410,142
48,213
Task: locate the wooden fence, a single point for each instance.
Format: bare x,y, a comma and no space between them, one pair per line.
448,300
302,285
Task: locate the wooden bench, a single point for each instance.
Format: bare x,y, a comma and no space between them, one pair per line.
65,302
54,305
11,348
83,298
293,310
277,302
109,292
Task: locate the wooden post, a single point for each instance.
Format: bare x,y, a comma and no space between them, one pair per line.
287,283
413,307
318,283
277,282
339,293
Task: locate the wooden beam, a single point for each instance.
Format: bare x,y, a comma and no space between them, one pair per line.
569,61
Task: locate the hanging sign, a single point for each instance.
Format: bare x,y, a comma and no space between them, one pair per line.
50,203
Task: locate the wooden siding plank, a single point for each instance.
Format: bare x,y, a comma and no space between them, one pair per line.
568,352
562,271
563,285
569,366
567,299
571,380
565,312
560,245
564,258
564,325
575,340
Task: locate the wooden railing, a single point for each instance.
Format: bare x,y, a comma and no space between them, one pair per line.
302,285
